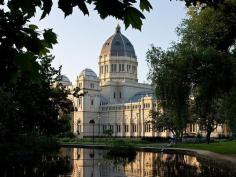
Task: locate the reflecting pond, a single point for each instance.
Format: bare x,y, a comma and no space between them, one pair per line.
82,162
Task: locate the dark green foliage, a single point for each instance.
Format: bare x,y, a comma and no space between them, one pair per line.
34,107
46,7
204,2
195,77
26,154
145,5
169,74
229,110
130,17
211,73
123,10
217,29
108,132
157,139
210,35
21,45
8,118
31,103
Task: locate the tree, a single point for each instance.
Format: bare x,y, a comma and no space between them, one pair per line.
211,75
210,27
34,108
169,74
180,74
31,103
205,69
162,121
210,35
228,110
21,46
8,116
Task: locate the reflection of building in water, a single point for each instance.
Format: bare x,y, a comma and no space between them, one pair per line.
181,162
115,100
93,163
142,166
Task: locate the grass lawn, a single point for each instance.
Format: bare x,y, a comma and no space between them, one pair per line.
223,147
109,141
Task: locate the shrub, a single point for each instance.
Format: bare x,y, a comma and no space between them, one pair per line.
155,139
108,132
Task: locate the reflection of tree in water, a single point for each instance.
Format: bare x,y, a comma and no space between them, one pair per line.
174,166
209,170
121,156
35,166
177,166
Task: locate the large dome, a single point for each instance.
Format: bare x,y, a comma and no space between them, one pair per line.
118,45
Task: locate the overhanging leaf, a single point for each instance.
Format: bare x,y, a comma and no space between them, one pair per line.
133,17
49,36
33,27
47,6
66,6
82,6
145,5
28,64
26,6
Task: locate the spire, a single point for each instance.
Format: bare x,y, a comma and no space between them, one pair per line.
118,28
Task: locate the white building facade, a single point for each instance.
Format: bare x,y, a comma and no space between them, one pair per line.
115,100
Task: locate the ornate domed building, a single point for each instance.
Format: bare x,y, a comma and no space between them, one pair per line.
115,100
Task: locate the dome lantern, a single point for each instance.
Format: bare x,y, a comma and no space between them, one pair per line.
118,28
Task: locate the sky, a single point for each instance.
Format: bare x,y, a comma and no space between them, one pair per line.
80,38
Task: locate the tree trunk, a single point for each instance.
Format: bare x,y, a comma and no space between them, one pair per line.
208,136
181,137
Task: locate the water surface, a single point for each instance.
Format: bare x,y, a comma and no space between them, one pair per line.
82,162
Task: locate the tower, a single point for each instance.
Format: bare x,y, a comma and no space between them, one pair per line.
88,105
117,68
